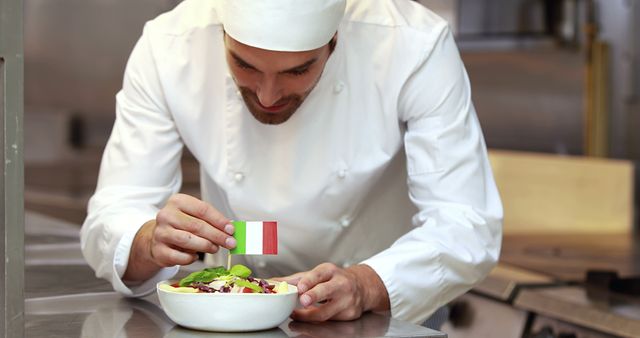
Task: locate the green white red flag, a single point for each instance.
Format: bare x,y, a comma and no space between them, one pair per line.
255,238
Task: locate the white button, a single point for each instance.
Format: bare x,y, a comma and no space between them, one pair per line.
345,222
238,177
342,173
262,264
422,218
238,93
338,87
346,264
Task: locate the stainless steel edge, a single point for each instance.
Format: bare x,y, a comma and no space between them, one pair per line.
12,180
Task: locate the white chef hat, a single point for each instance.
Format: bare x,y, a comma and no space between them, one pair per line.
282,25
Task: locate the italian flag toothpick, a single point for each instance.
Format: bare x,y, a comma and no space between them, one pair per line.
255,238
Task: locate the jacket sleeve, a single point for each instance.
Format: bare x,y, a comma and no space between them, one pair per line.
457,231
140,170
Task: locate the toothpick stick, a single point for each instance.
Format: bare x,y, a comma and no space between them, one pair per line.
229,261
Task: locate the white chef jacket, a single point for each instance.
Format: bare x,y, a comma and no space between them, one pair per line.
335,176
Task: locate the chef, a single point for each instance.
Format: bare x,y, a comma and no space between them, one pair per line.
348,122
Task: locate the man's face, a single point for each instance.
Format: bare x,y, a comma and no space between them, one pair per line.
274,84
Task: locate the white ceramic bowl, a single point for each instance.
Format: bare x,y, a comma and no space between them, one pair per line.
228,312
179,332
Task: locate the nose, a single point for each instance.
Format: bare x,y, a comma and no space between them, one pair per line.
268,91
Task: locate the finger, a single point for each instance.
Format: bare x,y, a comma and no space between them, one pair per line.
319,293
186,241
319,274
319,313
166,256
182,221
200,209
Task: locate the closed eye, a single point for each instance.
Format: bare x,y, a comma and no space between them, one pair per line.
298,72
300,69
240,63
294,71
243,65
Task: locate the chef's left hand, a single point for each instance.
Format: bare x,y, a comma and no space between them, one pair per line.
331,293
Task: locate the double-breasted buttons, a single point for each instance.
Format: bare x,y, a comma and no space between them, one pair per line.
342,173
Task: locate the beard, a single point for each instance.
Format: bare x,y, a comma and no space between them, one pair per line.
292,103
251,100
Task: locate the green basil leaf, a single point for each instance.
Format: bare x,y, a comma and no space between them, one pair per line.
205,276
240,270
247,284
220,270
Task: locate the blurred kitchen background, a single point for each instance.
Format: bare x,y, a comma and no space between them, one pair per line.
556,84
528,61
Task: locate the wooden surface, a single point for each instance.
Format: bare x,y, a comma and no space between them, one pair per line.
567,257
544,193
544,274
504,281
538,274
619,316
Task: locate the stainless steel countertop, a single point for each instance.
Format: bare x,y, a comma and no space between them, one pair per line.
65,299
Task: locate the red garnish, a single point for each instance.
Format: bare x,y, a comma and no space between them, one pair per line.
247,290
175,285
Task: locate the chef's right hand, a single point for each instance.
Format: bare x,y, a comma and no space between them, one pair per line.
185,226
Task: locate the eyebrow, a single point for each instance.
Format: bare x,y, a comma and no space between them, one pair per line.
290,70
